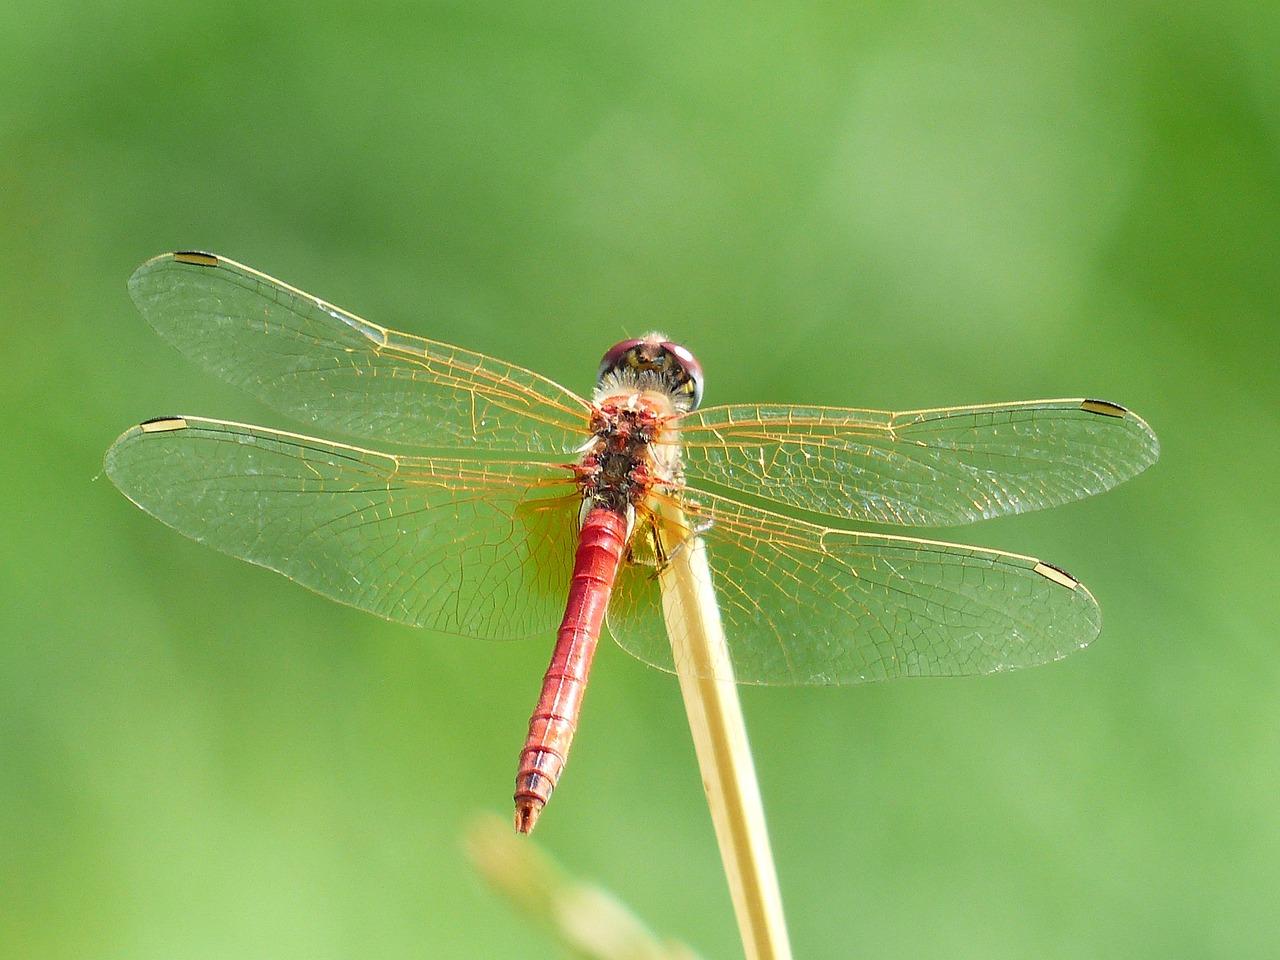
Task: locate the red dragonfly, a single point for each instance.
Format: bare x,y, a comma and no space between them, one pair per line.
523,492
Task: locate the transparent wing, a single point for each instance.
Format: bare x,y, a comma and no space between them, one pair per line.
922,467
481,549
804,604
327,367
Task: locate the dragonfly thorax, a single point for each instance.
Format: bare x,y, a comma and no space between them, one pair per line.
634,450
616,470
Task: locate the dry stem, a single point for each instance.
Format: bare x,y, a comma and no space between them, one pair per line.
724,753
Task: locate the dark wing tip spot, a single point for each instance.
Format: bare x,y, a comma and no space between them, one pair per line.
1055,573
197,257
162,424
1103,408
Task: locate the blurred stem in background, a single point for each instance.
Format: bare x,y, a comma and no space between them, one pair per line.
586,918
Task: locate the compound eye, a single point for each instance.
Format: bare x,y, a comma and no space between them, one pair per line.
613,356
692,370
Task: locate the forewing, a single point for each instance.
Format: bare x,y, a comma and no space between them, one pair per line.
804,604
475,548
327,367
922,467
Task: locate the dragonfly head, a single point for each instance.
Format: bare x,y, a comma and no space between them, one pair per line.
653,362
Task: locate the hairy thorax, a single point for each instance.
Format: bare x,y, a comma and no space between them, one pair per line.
632,450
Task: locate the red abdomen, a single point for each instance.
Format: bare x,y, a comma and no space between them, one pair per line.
600,547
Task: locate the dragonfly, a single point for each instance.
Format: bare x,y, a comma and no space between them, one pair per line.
471,496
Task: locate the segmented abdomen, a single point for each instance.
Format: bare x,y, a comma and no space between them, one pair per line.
601,544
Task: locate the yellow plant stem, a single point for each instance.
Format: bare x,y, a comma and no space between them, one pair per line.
724,753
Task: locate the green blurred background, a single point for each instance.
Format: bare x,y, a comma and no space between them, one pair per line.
899,205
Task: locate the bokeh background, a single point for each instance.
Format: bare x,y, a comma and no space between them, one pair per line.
895,205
